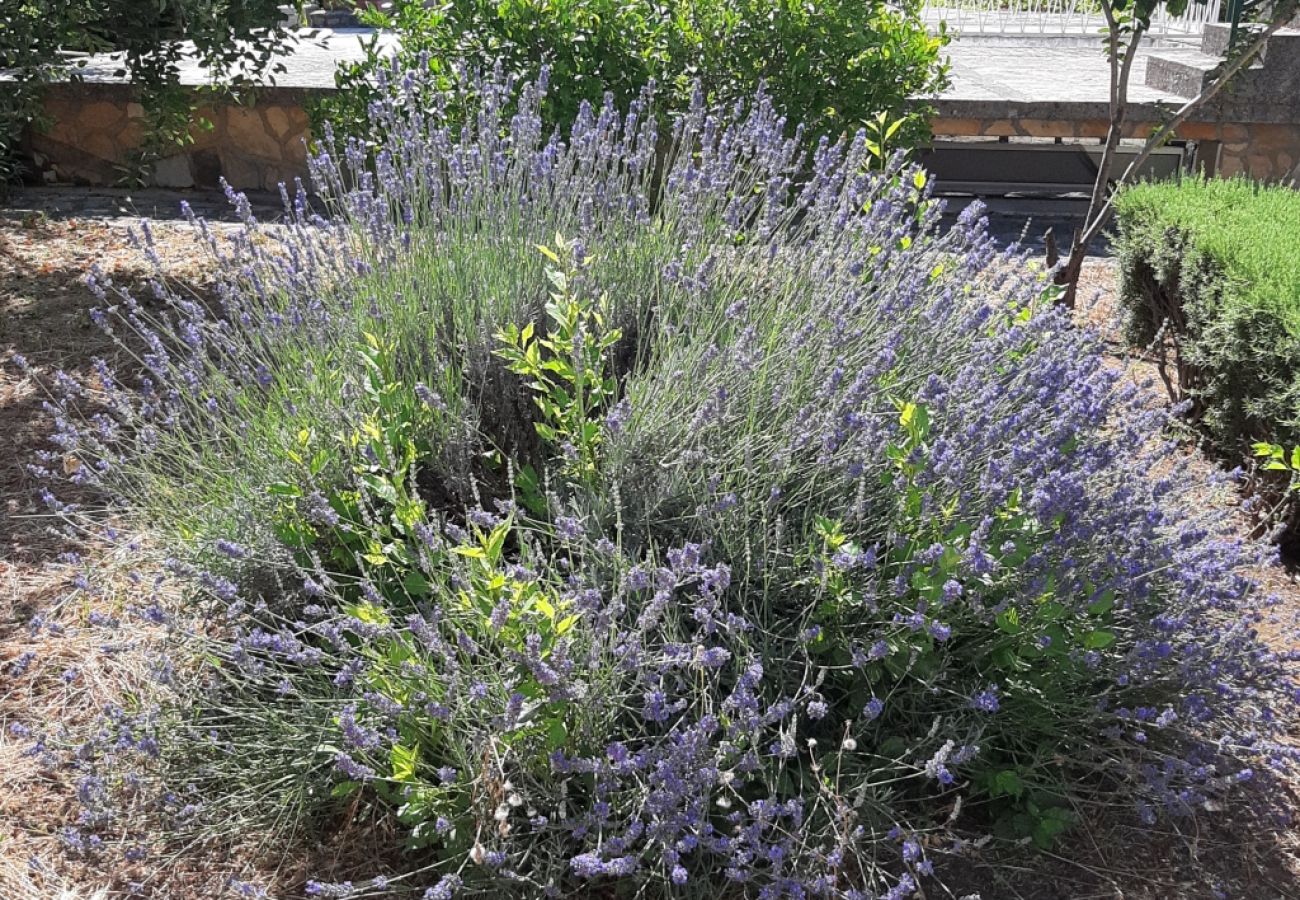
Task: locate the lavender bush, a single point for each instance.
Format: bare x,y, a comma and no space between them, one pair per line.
681,521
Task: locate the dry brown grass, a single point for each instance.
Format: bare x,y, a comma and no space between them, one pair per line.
44,316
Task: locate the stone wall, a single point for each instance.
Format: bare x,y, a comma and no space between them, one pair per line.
93,129
1265,151
1262,150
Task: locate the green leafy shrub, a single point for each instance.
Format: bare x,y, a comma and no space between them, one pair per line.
834,66
1213,267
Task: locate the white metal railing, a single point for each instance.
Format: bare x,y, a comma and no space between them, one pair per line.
1056,17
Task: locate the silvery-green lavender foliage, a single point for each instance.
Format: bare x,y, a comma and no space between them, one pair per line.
861,552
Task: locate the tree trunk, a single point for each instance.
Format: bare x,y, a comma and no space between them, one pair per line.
1068,275
1121,68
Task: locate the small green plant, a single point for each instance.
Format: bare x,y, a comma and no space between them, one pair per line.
881,129
519,619
364,523
567,367
1274,458
1283,497
508,608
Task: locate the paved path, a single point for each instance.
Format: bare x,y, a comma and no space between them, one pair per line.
311,63
1020,68
120,205
1043,70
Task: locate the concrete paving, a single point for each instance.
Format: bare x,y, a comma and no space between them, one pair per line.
128,206
310,64
1040,71
1007,66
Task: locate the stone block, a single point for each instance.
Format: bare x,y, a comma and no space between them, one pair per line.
100,145
299,126
1053,128
951,127
1191,131
1178,72
130,135
173,172
274,176
1214,38
1282,53
100,115
1260,165
204,137
1265,137
1091,128
1232,131
246,133
1000,128
1215,35
298,118
294,152
243,174
1231,165
279,122
61,120
1141,130
65,130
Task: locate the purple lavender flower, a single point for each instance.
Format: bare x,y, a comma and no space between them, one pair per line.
231,549
445,889
320,512
569,528
986,700
618,416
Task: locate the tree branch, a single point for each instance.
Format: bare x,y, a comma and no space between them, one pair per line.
1163,133
1120,75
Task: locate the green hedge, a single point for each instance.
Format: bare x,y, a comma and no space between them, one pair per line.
835,66
1219,262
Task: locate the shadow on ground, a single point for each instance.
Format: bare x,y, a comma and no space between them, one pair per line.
1243,851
